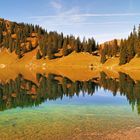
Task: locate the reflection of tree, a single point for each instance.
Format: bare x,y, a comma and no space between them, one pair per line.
23,93
125,85
109,83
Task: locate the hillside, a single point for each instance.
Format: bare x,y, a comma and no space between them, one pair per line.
30,46
22,38
110,43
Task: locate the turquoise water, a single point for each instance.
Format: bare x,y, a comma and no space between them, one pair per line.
85,115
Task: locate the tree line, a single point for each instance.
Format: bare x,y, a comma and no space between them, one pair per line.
17,37
126,50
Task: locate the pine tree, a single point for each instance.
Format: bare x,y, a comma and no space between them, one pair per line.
30,46
130,48
45,49
50,52
138,48
65,51
38,55
12,26
10,44
115,47
139,32
103,56
91,45
1,36
65,47
27,30
85,45
123,52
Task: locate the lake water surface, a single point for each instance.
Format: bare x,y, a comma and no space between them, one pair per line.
56,108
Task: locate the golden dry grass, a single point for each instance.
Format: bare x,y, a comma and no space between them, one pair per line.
76,66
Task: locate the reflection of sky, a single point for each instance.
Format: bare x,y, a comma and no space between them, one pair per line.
100,97
102,103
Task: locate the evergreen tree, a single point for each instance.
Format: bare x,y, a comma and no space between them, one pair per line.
30,46
50,53
1,36
103,56
139,32
77,45
12,26
115,47
138,48
123,52
38,55
65,47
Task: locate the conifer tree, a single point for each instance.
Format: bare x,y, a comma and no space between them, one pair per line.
115,47
65,47
1,36
139,32
103,56
50,52
123,52
38,55
30,46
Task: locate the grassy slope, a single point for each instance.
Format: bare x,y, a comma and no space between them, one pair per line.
132,68
76,66
66,66
6,57
133,64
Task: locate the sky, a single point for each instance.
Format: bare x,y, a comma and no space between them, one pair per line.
102,19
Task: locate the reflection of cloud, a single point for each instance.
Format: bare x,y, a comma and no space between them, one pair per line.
56,4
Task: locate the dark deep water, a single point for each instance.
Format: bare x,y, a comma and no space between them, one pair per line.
56,108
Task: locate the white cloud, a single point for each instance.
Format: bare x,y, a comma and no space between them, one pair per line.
61,18
55,4
67,14
73,17
78,23
108,15
90,23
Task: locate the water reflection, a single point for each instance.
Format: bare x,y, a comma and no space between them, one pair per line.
22,92
126,87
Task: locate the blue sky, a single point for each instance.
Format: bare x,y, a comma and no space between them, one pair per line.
101,19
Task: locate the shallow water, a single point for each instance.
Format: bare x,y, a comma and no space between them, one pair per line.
83,115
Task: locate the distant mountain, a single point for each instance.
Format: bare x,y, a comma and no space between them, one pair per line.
110,42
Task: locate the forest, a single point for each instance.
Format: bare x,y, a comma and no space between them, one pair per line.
22,38
18,38
125,50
